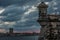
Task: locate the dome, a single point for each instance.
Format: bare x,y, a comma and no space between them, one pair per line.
42,5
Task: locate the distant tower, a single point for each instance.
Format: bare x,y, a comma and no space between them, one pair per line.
10,30
42,18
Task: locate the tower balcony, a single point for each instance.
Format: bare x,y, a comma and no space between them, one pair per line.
42,20
53,20
48,20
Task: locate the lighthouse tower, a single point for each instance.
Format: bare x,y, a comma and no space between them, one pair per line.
42,20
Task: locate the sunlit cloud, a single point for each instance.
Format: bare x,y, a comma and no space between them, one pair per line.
2,30
32,9
7,23
25,7
47,3
2,10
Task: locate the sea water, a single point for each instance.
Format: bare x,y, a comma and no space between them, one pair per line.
20,38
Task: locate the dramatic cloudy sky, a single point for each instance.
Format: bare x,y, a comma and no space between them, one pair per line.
22,14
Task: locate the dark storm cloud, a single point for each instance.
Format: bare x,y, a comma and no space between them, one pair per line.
47,0
15,12
54,6
10,2
5,3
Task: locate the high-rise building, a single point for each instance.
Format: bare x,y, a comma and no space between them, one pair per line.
50,24
10,30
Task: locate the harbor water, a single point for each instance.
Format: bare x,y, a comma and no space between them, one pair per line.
20,38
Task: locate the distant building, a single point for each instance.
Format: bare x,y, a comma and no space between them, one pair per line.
10,30
50,24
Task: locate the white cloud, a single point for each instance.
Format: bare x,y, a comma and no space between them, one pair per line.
32,9
1,10
25,7
7,24
24,20
47,3
53,3
55,8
